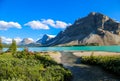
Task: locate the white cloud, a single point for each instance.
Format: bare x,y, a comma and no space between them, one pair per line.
55,24
44,24
31,39
36,25
60,24
6,25
6,40
49,22
18,40
9,40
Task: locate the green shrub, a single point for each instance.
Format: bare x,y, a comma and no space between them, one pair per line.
29,66
110,63
1,46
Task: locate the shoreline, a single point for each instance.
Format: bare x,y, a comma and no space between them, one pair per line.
84,72
95,53
58,55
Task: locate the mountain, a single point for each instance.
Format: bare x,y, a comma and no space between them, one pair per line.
26,41
95,28
45,39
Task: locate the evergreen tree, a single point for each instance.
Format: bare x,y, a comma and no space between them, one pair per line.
13,47
1,46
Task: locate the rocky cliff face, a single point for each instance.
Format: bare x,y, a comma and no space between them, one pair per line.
94,28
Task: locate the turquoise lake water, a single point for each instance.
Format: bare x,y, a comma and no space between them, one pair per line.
74,48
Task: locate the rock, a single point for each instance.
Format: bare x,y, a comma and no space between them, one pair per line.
45,38
94,28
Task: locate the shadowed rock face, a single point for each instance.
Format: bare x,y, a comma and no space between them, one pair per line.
45,38
94,28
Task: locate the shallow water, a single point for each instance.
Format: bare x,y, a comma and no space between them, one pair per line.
74,48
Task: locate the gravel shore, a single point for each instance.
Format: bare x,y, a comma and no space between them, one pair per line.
83,72
95,53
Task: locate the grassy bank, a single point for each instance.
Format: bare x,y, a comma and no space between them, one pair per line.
29,66
109,63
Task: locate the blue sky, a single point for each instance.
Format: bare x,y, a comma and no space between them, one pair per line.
33,18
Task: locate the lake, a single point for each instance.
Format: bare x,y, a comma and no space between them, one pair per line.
74,48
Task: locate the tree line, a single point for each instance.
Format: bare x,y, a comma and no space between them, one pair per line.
12,48
30,66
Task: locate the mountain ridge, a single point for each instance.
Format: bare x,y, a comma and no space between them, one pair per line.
94,28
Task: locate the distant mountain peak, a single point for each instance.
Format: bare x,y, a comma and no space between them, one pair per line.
48,35
45,38
26,41
95,13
